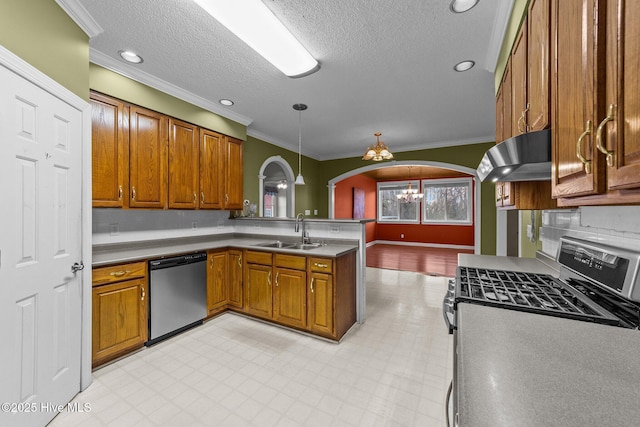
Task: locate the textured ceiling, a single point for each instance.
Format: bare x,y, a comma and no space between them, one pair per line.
385,66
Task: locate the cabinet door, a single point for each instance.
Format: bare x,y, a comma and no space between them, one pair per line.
538,89
257,291
183,165
217,280
212,179
519,82
235,278
290,297
234,196
110,158
119,319
622,137
147,159
577,31
321,303
507,131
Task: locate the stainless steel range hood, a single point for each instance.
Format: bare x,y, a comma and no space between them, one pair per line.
525,157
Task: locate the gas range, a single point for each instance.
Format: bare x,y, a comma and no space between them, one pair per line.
597,283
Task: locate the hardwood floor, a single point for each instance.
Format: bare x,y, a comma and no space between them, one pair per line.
432,261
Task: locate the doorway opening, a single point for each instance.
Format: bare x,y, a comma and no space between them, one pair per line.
277,190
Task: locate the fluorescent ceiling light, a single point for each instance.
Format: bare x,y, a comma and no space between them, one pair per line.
257,26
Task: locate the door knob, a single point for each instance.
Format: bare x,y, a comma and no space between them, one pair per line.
77,267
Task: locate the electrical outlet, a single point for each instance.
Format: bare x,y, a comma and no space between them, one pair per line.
307,212
220,223
315,211
194,225
114,230
334,229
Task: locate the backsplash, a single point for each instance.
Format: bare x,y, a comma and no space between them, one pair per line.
612,225
132,225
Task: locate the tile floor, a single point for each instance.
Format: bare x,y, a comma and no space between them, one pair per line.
392,370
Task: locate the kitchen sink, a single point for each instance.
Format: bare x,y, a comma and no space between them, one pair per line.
276,244
304,246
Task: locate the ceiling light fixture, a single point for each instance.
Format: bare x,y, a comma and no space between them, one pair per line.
299,108
254,23
377,152
130,56
464,65
409,195
460,6
226,102
282,185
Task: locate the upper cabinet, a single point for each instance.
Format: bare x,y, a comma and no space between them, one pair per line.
519,82
538,106
110,145
596,142
144,159
147,159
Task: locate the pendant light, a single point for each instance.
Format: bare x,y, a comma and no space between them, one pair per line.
409,195
377,152
299,108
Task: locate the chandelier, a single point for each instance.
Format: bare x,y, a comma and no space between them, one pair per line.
282,185
409,195
377,152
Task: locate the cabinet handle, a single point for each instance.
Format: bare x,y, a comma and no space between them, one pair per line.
611,155
585,162
119,273
202,197
277,276
312,280
316,264
240,261
523,120
133,193
211,262
142,294
269,279
120,192
195,198
226,199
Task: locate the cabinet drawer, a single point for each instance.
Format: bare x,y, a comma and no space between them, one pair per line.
118,273
264,258
323,265
291,261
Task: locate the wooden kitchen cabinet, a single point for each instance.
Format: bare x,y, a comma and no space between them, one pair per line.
321,303
538,116
519,82
235,298
234,173
147,158
184,146
211,170
109,145
290,291
217,281
258,293
609,172
119,318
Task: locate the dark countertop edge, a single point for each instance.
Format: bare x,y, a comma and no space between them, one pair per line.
123,252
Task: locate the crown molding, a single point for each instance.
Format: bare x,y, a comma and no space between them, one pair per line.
80,16
500,25
131,72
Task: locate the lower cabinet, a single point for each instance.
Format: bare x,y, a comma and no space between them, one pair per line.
119,311
217,281
317,295
235,298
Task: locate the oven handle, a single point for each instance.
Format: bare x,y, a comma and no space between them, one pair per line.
447,402
448,308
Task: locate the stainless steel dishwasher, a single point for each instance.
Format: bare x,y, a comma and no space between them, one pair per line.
177,295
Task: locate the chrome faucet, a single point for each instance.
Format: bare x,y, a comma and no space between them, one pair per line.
300,220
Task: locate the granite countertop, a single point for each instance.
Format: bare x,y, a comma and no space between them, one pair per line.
515,368
522,369
136,251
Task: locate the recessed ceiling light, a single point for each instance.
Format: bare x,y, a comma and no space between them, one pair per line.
460,6
129,56
226,102
464,65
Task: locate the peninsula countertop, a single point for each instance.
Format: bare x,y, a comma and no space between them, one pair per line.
135,251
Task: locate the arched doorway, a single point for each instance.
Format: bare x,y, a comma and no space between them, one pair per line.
275,201
477,196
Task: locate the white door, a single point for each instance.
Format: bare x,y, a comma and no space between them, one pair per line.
40,239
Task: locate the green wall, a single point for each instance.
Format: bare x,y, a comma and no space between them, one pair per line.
119,86
528,248
42,34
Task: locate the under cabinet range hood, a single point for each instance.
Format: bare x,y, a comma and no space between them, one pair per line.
525,157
